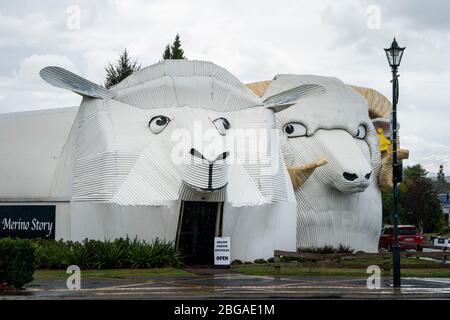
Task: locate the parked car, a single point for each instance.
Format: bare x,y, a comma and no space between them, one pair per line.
406,233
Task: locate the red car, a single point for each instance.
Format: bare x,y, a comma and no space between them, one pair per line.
406,233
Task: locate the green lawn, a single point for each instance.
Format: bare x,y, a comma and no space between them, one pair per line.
114,273
379,261
296,269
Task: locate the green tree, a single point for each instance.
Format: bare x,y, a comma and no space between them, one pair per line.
120,70
174,51
415,172
441,185
167,53
417,201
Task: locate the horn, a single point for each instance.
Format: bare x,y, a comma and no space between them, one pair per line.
300,174
402,154
385,179
259,88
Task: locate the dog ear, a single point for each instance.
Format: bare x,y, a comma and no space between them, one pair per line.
285,99
62,78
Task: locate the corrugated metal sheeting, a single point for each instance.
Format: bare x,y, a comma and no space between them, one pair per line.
119,159
175,83
330,209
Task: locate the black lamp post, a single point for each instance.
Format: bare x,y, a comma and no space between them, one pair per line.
394,55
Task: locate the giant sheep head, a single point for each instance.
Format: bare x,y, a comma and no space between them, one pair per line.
162,134
331,130
331,149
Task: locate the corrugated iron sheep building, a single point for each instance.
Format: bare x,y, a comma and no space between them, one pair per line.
183,151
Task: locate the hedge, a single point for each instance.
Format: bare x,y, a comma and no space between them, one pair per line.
16,262
92,254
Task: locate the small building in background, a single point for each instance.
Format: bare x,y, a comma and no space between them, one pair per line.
444,198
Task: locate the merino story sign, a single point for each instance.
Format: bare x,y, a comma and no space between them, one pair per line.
27,221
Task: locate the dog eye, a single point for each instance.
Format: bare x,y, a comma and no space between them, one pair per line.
362,132
158,123
222,125
294,130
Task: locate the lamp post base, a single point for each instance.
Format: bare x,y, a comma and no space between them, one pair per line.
396,265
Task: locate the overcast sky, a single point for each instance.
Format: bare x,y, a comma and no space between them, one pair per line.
254,40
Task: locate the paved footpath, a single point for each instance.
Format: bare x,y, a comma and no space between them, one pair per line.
229,285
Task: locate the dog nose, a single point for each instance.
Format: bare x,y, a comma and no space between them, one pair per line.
350,176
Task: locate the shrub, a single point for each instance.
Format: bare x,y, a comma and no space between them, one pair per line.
81,254
109,255
260,261
155,255
289,259
120,253
327,249
50,254
344,249
271,260
16,262
236,262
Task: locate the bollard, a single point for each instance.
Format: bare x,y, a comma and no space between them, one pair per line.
444,257
277,265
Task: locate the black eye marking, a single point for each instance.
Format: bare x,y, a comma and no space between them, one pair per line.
294,130
158,123
222,125
289,129
162,121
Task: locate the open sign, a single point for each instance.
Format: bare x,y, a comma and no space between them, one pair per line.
222,251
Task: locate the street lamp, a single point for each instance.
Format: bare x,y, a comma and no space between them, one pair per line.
394,55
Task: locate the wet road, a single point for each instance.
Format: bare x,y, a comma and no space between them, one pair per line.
233,286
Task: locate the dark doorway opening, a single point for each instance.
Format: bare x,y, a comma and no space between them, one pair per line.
199,223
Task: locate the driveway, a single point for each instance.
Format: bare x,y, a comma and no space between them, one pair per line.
231,285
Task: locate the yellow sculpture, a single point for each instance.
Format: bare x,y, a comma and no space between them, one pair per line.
383,141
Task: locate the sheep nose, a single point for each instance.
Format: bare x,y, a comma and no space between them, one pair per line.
350,176
222,156
367,176
194,152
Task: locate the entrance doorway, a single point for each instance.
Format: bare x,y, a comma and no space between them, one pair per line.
199,223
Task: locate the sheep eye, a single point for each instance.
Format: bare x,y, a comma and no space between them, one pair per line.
158,123
294,130
362,132
222,125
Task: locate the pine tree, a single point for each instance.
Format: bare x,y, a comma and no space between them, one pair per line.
441,185
177,52
120,70
167,54
174,51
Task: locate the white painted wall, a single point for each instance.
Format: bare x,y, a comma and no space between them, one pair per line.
259,230
109,221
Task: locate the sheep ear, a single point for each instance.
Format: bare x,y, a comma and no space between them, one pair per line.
61,78
384,124
285,99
